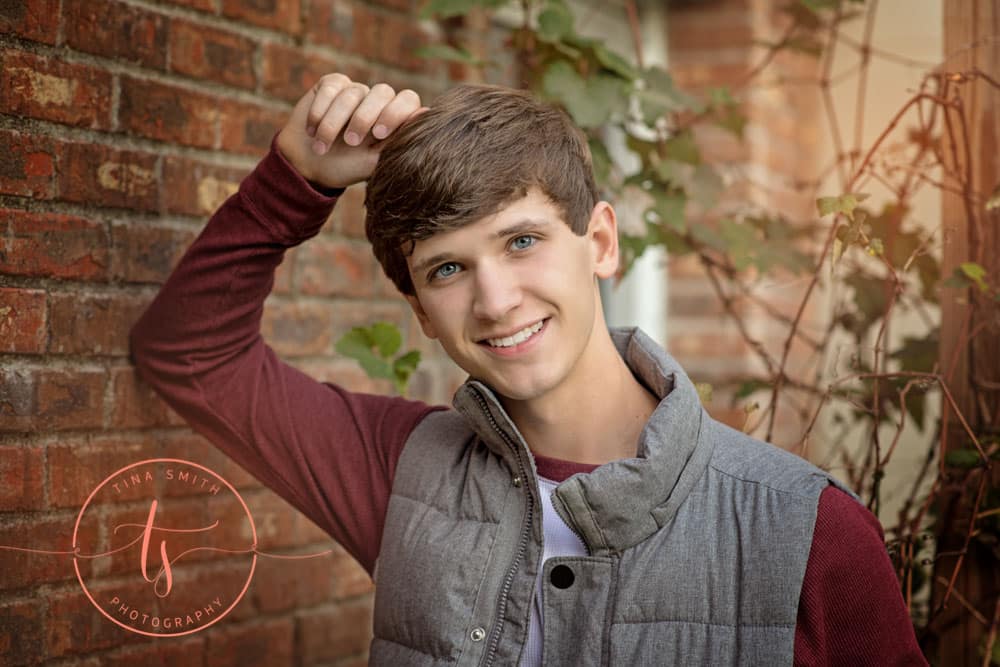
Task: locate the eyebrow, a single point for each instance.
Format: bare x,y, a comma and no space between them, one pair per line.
519,227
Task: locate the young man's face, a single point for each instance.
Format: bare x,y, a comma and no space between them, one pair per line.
512,297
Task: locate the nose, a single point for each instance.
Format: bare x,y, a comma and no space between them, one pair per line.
498,292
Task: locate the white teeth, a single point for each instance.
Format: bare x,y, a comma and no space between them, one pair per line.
521,336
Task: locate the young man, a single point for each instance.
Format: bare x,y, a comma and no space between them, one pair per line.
577,506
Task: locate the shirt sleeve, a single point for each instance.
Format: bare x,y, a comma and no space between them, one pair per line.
329,452
851,609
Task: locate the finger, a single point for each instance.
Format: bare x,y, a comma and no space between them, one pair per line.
367,113
337,115
326,90
405,104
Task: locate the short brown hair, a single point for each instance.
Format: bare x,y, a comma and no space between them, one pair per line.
475,150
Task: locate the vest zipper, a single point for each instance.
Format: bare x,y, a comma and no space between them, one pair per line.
494,640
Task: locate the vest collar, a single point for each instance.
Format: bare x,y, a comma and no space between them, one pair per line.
623,502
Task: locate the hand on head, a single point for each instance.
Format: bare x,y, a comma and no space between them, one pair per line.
335,131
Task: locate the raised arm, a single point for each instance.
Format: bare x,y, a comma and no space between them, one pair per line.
329,452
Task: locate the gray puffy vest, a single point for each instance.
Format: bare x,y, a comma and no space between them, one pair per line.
697,547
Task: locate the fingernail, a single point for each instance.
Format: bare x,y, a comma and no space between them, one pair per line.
319,147
380,131
311,131
352,138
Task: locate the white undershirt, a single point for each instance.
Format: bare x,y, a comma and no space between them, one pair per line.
558,540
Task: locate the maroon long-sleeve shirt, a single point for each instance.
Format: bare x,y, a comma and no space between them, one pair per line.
332,453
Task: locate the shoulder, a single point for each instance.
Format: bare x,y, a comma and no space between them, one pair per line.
742,457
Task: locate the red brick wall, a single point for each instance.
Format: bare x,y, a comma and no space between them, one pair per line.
123,124
715,43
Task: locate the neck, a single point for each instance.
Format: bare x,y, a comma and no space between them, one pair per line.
595,416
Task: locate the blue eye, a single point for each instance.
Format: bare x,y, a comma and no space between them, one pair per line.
522,242
445,270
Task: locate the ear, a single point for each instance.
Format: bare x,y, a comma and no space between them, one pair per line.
602,233
418,310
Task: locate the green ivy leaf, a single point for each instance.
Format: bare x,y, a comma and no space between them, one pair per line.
918,354
403,368
386,338
706,186
601,159
659,96
669,207
749,387
682,148
554,22
372,347
962,458
975,273
449,8
447,53
589,101
843,204
615,63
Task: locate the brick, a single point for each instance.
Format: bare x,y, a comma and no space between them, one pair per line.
349,579
26,570
42,399
37,20
21,473
283,15
249,129
710,30
389,38
116,30
283,585
700,75
22,320
297,328
28,166
197,583
92,324
197,188
143,254
196,448
52,245
331,23
136,404
288,73
329,267
103,176
275,520
77,468
179,652
185,549
704,345
265,643
53,90
206,53
22,640
338,631
167,113
74,626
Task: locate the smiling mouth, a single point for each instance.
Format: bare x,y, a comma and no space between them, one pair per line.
515,339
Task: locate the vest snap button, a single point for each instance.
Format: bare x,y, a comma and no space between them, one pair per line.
516,481
561,576
478,635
